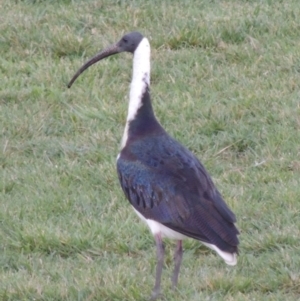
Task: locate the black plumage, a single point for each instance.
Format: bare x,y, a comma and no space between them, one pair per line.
165,182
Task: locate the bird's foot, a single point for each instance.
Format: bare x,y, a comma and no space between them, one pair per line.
156,294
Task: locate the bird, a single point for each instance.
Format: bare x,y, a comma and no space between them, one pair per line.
165,183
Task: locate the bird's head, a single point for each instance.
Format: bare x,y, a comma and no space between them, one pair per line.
128,43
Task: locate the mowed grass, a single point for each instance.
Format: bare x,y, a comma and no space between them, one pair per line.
225,82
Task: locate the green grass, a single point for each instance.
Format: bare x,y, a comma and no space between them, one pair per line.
225,82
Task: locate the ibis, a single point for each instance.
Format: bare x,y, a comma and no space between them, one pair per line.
167,186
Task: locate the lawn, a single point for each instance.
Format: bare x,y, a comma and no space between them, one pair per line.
225,82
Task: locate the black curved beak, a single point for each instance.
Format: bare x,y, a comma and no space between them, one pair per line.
114,49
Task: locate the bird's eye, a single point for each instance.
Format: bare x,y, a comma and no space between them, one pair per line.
125,40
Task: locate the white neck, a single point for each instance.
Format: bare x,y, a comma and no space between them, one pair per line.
139,82
140,77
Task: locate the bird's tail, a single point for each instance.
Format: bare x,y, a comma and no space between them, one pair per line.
229,258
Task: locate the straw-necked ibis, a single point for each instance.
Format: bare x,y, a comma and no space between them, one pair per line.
165,183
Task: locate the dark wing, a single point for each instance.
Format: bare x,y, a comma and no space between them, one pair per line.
166,183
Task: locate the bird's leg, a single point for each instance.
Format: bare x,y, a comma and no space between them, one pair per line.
177,262
160,251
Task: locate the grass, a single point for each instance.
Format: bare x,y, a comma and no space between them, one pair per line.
225,82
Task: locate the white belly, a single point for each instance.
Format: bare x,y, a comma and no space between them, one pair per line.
157,227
